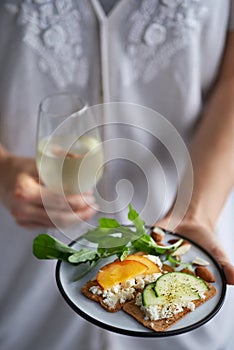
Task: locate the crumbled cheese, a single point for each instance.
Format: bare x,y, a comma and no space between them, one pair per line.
126,294
138,301
158,312
155,259
191,306
95,290
116,288
111,299
151,278
140,283
151,313
129,283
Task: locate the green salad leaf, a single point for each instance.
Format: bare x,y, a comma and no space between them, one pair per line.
111,238
134,217
48,247
83,255
108,223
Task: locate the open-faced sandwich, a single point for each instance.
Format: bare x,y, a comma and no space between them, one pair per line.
155,294
149,278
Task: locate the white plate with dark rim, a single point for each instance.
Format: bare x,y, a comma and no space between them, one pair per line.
122,323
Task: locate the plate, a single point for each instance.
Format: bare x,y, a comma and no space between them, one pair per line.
122,323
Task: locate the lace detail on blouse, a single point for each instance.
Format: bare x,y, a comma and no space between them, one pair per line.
158,30
53,29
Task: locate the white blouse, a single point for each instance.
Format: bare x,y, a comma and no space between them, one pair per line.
162,55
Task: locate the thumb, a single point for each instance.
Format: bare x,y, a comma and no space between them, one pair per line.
228,270
27,187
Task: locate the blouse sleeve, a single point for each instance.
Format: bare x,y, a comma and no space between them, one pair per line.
231,18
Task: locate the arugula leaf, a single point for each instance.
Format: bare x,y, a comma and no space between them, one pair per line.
110,233
111,237
106,252
108,223
125,252
176,262
145,244
83,255
134,217
47,247
85,270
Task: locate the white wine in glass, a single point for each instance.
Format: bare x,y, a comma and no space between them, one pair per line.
69,148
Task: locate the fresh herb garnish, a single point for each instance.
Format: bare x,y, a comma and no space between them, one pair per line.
47,247
176,262
111,238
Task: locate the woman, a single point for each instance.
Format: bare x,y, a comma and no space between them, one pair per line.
174,57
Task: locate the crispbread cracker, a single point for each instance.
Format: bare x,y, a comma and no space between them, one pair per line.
162,325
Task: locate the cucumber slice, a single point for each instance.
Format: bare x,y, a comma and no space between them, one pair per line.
149,298
173,287
180,284
148,295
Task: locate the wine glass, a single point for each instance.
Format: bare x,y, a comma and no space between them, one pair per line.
69,148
